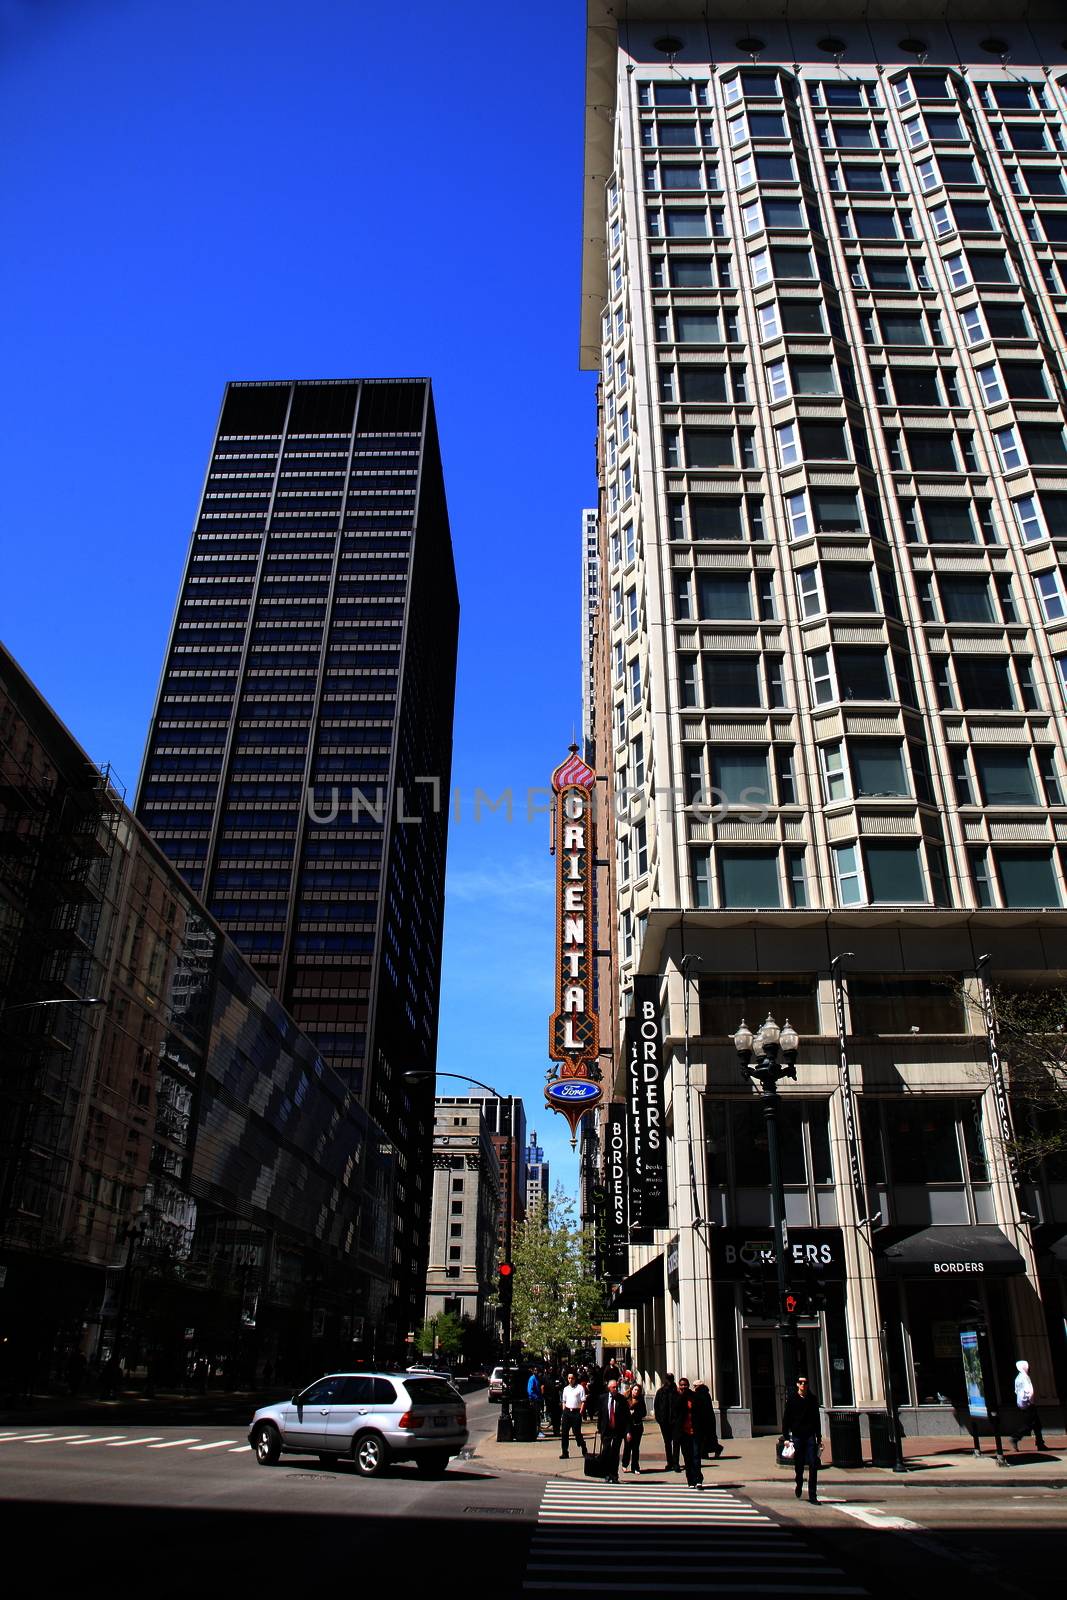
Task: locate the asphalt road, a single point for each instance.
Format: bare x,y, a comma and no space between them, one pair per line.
158,1510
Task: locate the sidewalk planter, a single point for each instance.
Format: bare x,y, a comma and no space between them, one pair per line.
845,1447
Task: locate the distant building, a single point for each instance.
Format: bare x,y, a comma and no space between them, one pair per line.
463,1222
183,1179
506,1119
536,1175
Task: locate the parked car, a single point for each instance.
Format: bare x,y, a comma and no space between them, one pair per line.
372,1418
497,1384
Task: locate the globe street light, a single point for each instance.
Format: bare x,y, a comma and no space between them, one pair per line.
765,1058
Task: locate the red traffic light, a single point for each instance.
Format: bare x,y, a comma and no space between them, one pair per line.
790,1304
506,1269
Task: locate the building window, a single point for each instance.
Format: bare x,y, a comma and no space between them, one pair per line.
749,878
885,1003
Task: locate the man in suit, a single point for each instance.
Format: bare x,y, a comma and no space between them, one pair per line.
613,1421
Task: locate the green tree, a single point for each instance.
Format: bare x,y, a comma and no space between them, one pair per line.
443,1333
1032,1038
556,1295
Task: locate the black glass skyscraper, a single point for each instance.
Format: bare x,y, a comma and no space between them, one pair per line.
299,760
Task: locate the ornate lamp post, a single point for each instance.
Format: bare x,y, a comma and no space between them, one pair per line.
766,1058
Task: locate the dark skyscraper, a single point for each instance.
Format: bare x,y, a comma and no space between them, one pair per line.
299,760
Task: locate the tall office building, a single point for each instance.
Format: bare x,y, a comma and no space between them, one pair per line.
506,1120
467,1202
825,284
536,1175
298,764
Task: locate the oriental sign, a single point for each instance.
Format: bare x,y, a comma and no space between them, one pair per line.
573,1033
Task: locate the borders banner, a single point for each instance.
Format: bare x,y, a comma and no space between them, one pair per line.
646,1136
848,1102
616,1254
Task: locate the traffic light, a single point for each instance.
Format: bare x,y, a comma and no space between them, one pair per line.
505,1284
819,1295
795,1303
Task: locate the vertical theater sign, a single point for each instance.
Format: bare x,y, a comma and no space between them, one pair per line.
574,1034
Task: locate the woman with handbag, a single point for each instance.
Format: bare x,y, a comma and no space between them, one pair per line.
631,1450
802,1425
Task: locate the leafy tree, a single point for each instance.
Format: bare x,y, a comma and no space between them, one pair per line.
443,1333
556,1294
1032,1038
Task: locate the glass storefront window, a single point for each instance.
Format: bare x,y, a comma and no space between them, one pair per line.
883,1003
921,1139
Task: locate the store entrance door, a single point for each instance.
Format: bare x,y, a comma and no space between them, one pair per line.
766,1375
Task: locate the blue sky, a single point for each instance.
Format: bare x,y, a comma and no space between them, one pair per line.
195,191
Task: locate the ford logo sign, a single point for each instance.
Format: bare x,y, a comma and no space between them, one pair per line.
573,1089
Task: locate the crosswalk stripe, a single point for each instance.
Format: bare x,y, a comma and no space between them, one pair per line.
172,1444
658,1540
24,1438
240,1451
218,1445
103,1438
124,1444
60,1438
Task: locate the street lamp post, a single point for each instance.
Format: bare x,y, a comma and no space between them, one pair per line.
759,1057
417,1075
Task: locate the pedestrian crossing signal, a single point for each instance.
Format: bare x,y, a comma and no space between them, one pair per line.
794,1304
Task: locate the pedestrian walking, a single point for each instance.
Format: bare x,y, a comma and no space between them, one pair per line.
684,1432
613,1421
802,1423
1027,1419
631,1451
573,1408
707,1433
661,1410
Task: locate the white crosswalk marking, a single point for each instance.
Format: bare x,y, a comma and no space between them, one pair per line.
102,1438
218,1445
172,1444
651,1539
124,1444
60,1438
24,1438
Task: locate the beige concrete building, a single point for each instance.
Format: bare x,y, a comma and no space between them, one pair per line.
463,1221
825,284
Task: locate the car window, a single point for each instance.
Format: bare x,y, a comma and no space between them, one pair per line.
384,1392
429,1391
358,1391
318,1393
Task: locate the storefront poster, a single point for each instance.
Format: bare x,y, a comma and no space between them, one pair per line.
972,1373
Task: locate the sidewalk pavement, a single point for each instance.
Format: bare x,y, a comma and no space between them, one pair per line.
933,1462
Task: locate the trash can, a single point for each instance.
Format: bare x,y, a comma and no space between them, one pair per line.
524,1421
883,1445
845,1447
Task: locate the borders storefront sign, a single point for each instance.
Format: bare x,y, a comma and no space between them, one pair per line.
617,1252
646,1135
819,1251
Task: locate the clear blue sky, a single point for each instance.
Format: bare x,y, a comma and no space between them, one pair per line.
193,191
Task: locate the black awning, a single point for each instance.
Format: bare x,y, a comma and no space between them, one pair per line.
950,1253
643,1285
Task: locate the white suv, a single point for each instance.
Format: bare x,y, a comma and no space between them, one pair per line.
370,1417
497,1384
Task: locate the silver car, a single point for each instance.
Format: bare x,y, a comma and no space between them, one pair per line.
371,1418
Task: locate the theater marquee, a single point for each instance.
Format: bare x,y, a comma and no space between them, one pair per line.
574,1033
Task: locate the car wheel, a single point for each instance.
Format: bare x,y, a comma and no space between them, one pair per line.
432,1463
267,1444
370,1453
